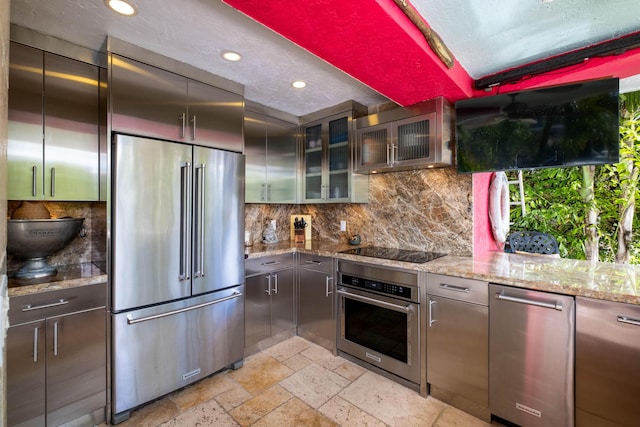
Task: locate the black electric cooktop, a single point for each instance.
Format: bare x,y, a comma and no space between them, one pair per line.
395,254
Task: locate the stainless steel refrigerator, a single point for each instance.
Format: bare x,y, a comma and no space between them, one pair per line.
177,270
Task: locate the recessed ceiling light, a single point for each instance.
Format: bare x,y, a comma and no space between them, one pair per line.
230,55
298,84
122,7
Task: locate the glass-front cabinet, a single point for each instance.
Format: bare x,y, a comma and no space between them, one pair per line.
327,153
405,138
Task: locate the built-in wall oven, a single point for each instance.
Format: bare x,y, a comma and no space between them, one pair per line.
379,319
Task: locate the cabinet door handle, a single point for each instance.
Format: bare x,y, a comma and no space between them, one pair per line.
269,192
30,307
53,182
629,320
193,128
275,283
263,193
454,288
388,155
431,319
55,338
394,152
35,344
34,181
268,289
327,291
183,119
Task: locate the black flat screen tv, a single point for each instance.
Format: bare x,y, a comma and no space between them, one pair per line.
568,125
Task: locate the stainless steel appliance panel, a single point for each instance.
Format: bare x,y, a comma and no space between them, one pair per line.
151,239
76,365
147,101
607,363
25,123
218,220
381,331
71,120
175,344
531,356
214,117
458,348
26,376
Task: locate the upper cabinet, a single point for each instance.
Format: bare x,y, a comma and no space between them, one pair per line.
53,150
418,136
327,157
271,162
149,101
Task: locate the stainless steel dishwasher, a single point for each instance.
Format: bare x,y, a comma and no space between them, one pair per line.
531,356
458,342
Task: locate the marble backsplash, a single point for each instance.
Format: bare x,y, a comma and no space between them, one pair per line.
91,248
426,209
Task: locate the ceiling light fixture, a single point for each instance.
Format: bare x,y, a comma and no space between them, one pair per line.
230,55
298,84
121,7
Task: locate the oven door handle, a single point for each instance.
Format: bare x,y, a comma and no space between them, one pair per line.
396,307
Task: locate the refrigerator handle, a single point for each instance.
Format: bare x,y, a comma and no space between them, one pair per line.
200,216
185,177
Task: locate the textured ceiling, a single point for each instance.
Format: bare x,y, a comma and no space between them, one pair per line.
361,50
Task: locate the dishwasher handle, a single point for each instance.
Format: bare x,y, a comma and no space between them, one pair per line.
628,320
557,305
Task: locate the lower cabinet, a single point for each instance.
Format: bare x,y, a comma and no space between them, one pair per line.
458,342
56,358
269,301
316,304
607,363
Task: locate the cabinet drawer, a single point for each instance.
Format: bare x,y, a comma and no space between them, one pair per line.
315,262
268,263
28,308
458,288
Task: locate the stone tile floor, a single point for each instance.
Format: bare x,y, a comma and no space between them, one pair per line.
297,383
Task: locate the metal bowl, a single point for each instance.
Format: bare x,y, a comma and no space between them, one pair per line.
36,239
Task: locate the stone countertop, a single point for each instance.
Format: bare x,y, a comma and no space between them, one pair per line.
69,276
605,281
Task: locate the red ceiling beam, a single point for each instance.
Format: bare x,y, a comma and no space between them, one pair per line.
372,41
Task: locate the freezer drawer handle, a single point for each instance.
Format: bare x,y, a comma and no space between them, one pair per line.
629,320
454,288
131,320
554,305
30,307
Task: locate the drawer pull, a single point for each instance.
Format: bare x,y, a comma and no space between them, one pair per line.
270,263
454,288
30,307
313,262
629,320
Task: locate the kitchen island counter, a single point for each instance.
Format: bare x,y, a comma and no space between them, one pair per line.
605,281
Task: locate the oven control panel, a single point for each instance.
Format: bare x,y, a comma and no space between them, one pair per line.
382,287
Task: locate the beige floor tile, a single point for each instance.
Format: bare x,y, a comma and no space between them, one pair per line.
322,357
260,405
392,403
452,417
349,370
346,414
202,391
233,397
314,385
205,414
288,348
152,414
260,372
297,362
294,413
